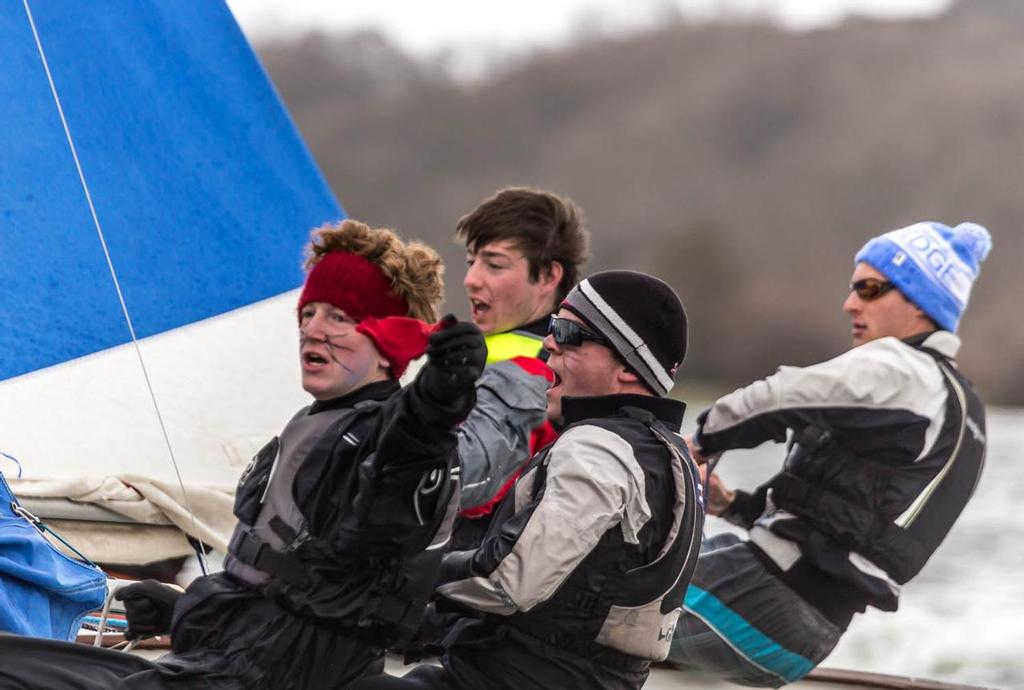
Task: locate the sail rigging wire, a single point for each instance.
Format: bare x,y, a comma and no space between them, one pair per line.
197,542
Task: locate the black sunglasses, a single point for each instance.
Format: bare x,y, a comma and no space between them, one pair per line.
566,332
869,289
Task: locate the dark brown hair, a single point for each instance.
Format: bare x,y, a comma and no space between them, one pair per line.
543,226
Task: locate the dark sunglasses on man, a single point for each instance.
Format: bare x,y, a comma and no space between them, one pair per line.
869,289
566,332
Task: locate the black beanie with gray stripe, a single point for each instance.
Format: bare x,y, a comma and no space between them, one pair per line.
641,316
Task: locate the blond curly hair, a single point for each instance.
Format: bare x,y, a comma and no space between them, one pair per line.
413,269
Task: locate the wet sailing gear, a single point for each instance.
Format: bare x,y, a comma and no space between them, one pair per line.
278,552
364,504
915,456
505,429
582,573
887,445
879,510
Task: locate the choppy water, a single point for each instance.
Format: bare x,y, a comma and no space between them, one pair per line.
962,618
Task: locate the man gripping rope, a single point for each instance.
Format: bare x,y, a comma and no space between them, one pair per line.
886,444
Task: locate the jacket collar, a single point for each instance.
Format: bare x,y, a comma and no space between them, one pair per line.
665,409
379,390
945,343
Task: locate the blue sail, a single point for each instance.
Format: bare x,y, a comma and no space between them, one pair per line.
201,186
147,168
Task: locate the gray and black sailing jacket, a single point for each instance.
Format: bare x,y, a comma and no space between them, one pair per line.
588,558
344,516
508,424
887,442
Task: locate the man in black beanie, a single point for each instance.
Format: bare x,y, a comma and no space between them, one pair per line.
580,578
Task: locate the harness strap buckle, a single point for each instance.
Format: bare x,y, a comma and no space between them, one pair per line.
253,551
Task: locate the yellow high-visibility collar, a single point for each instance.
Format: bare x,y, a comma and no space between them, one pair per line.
502,346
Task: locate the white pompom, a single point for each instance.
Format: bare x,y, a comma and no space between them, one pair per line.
976,238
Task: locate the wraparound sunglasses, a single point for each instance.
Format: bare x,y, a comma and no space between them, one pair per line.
566,332
869,289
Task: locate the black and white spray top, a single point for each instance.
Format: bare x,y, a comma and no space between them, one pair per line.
912,436
588,556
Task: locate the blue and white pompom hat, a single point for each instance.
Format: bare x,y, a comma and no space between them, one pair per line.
932,264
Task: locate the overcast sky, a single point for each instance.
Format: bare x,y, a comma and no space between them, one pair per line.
424,28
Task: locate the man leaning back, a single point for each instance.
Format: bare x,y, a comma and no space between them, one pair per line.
887,442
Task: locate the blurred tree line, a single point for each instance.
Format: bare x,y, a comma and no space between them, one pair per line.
743,164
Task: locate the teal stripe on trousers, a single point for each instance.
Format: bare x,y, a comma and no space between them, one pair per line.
745,638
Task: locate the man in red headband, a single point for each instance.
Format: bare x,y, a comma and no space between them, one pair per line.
341,518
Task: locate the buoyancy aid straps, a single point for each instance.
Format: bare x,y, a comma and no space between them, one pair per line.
910,514
402,613
858,528
678,457
253,551
642,625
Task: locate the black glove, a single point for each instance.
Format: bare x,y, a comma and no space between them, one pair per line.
149,608
455,359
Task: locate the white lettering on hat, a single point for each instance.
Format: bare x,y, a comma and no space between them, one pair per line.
936,259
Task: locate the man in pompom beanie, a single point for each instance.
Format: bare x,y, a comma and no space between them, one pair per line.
341,518
580,578
885,446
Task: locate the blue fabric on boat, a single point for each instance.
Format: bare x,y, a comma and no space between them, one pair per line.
43,593
200,181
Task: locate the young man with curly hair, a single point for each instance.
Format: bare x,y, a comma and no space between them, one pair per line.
341,517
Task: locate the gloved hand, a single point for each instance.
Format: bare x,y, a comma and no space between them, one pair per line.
456,355
149,608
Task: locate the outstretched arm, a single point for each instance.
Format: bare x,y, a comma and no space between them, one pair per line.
829,395
404,461
420,421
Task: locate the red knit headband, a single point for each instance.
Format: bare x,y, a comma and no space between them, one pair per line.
353,284
358,287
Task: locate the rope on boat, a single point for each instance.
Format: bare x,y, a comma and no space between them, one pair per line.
200,549
14,460
104,614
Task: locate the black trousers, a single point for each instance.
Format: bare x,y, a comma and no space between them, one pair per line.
420,678
34,664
